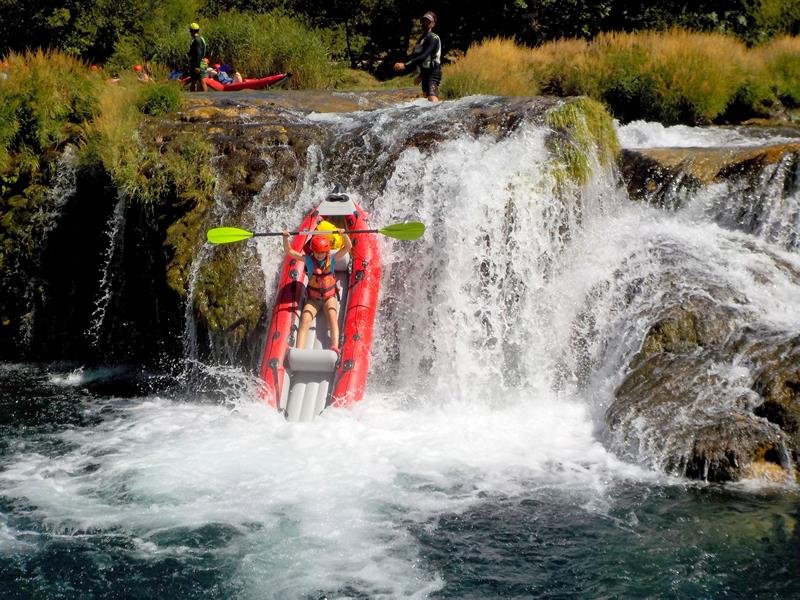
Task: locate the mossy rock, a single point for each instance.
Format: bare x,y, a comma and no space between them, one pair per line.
230,290
18,201
584,128
700,323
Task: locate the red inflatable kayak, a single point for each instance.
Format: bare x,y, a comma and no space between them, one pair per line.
247,84
302,382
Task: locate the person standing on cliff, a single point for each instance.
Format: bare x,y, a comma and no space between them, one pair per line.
427,56
196,56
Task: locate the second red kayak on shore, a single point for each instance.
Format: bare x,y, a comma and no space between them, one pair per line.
247,84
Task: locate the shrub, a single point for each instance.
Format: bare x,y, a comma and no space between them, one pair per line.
45,96
496,66
781,62
160,98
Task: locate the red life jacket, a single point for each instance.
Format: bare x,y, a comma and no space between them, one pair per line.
321,280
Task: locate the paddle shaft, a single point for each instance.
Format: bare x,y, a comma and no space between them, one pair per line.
398,231
317,232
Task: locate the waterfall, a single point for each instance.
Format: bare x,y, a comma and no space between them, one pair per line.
44,221
530,384
464,312
114,248
525,288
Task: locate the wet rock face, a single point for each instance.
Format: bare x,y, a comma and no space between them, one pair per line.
708,399
713,393
751,189
224,159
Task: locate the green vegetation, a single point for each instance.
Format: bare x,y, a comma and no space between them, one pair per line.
256,44
584,131
159,99
52,100
366,34
43,103
674,76
781,62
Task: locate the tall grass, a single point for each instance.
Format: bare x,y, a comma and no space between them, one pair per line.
781,60
694,76
673,77
496,66
46,95
111,139
257,44
50,99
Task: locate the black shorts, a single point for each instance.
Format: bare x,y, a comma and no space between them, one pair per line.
430,79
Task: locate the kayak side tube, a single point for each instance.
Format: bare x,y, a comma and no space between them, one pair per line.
359,321
285,313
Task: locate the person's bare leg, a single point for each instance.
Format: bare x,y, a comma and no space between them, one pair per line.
308,314
331,311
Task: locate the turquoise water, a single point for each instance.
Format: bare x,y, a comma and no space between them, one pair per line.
435,528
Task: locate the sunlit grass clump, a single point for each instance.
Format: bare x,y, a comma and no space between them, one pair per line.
496,66
671,76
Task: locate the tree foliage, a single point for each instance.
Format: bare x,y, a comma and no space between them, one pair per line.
365,32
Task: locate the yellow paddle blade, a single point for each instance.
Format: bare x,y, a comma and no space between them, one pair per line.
227,235
404,231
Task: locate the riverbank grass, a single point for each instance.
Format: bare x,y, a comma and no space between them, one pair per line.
672,76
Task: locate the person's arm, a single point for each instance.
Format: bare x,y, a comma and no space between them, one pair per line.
287,248
348,244
429,44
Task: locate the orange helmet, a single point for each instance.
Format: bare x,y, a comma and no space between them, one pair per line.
320,244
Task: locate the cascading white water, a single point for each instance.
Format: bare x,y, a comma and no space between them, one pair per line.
114,234
500,337
763,201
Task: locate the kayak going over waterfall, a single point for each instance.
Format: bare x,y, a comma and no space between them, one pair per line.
333,266
302,380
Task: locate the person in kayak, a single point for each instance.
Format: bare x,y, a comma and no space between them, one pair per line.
321,288
196,57
427,56
223,74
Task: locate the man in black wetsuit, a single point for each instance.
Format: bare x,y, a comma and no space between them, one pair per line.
428,56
